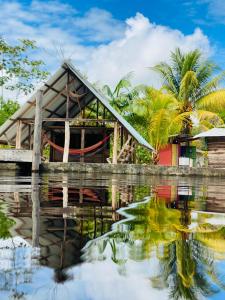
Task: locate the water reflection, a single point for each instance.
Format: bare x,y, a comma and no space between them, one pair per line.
63,236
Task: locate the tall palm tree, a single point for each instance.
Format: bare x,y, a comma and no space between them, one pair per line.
189,78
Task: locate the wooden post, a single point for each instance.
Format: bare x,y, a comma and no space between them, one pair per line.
36,159
82,144
66,142
115,138
18,134
29,132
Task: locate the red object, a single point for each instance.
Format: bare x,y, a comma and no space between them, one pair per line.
77,151
165,156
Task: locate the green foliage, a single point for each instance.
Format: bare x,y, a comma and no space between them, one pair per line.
18,71
5,225
189,79
123,94
7,109
158,117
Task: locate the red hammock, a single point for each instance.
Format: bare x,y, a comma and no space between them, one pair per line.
77,151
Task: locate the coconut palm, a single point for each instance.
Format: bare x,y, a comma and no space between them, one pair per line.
189,78
158,116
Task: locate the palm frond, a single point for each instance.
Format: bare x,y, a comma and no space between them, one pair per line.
211,85
214,101
188,84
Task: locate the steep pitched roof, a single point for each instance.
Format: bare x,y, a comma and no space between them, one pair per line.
50,89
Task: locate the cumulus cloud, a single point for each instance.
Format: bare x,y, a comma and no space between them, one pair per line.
101,46
144,44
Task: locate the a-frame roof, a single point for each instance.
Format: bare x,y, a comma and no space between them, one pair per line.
54,103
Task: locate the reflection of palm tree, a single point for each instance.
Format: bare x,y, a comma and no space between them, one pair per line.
187,269
186,254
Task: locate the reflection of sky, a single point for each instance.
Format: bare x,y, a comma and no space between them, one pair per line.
100,280
93,281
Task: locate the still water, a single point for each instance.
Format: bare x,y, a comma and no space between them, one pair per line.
111,238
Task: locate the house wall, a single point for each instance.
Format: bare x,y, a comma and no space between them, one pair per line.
216,152
169,155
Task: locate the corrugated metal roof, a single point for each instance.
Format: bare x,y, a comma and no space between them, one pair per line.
214,132
8,129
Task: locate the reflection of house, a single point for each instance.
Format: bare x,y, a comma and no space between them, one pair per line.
215,142
175,194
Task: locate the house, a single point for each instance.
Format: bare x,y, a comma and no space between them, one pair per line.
77,122
215,144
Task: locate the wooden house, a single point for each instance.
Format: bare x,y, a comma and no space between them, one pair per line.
74,119
215,144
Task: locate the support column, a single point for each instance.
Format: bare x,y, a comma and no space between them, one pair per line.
18,134
115,140
29,132
36,160
82,144
66,142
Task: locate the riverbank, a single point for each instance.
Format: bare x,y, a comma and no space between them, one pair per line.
131,169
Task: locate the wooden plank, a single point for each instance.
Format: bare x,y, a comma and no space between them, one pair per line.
15,155
115,140
18,134
66,142
67,96
36,160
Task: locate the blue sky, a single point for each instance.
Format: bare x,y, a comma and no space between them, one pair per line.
107,39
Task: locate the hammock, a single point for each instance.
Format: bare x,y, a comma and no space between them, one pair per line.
77,151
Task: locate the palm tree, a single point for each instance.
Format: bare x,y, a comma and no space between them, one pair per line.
189,79
158,116
123,94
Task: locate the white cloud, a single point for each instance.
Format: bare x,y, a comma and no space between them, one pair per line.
144,45
99,25
101,46
216,9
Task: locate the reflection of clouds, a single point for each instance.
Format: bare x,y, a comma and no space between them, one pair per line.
96,281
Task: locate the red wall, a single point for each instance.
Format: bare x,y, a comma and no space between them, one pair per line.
165,156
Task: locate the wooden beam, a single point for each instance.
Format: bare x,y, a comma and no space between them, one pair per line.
115,138
30,142
68,96
18,134
82,143
36,160
75,120
54,82
66,142
55,90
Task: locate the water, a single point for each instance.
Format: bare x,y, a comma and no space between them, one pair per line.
111,238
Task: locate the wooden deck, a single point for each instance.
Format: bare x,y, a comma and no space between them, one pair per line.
15,155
